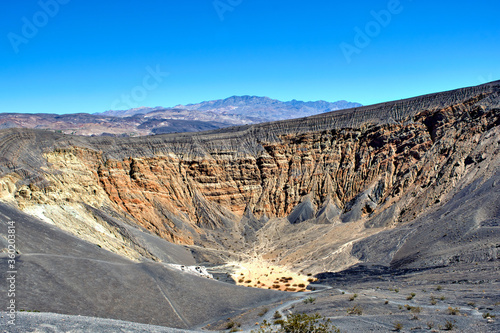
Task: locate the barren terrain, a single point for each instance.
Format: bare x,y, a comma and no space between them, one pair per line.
401,195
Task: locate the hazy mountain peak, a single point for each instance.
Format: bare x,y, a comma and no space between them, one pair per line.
208,115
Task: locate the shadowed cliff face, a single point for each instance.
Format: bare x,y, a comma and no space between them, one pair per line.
373,167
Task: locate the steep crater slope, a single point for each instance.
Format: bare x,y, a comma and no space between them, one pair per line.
302,193
57,272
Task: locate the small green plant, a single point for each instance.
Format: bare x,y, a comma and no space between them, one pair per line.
453,311
488,315
438,288
355,310
442,298
23,310
416,309
308,300
449,325
398,326
410,297
277,315
233,326
353,297
396,290
433,300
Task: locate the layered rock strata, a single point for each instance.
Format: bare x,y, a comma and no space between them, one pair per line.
379,165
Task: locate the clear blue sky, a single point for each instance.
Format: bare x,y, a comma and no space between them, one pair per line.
85,55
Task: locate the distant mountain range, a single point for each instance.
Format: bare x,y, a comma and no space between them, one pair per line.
248,108
267,109
235,110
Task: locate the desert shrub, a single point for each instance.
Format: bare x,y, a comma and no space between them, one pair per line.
416,309
232,324
300,323
442,298
449,325
438,288
353,297
355,310
263,312
301,285
453,311
488,315
430,325
309,300
277,315
471,304
398,326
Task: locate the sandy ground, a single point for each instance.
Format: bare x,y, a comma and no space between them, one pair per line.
262,274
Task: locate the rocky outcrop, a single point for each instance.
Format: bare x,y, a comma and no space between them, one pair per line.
381,165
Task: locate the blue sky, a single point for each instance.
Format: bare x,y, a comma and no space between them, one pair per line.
67,56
